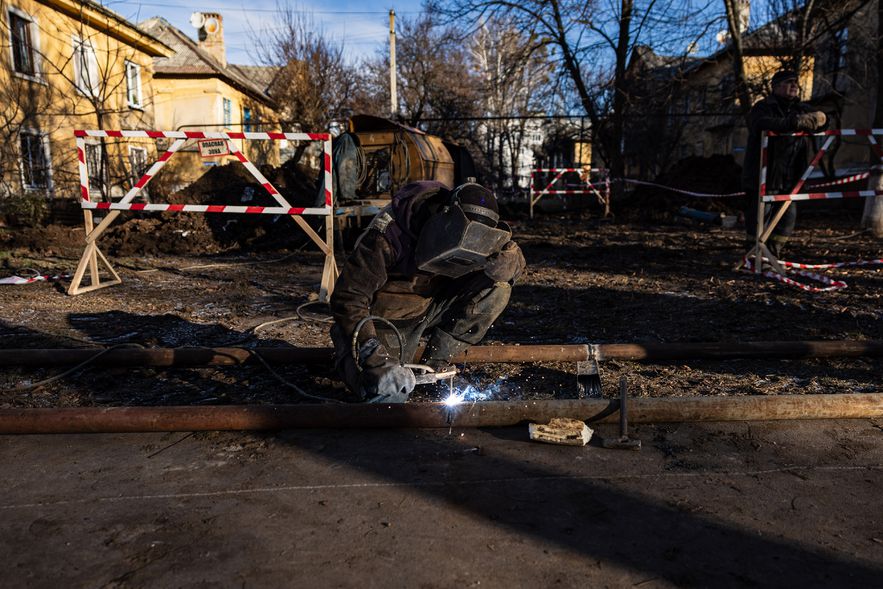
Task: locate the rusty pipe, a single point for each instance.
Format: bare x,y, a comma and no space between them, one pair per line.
433,415
656,352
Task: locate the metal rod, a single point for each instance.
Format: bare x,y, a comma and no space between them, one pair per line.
184,357
393,99
432,415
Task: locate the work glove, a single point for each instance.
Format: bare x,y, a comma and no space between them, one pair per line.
383,380
811,121
506,265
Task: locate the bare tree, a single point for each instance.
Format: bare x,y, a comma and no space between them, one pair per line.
592,42
437,84
84,78
314,85
793,30
515,79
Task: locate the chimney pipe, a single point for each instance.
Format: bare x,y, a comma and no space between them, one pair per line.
211,37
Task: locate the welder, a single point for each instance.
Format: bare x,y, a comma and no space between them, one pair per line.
434,263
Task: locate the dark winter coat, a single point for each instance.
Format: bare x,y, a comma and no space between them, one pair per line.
380,277
786,156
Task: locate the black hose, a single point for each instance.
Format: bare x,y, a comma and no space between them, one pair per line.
361,324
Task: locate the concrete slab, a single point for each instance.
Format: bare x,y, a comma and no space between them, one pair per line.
772,504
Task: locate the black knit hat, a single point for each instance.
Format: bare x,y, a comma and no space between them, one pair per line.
478,203
783,76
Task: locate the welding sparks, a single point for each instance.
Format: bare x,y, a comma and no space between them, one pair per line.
470,394
452,400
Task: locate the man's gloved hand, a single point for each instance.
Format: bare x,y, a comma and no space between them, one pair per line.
383,380
390,383
811,121
507,264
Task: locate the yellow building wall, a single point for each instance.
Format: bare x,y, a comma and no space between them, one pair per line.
50,102
196,104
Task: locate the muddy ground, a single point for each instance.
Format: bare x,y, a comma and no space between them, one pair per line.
774,504
588,281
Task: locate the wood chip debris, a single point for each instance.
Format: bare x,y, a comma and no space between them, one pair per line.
561,430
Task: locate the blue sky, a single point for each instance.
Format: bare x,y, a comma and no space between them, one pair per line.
364,24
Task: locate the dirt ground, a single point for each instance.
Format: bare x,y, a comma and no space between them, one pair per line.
587,281
741,504
788,504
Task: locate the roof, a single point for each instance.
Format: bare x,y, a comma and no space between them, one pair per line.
764,40
189,60
262,75
110,23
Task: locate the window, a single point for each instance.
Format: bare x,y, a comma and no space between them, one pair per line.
246,119
228,112
841,49
133,84
137,162
35,168
86,77
95,167
24,60
137,167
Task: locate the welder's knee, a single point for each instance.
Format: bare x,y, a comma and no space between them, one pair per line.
490,303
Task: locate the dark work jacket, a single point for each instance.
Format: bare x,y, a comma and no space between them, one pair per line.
380,276
786,156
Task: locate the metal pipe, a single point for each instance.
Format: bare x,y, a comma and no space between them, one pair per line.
741,350
184,357
433,415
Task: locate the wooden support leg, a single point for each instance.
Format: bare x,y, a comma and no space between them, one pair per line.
85,260
90,259
329,272
759,246
312,234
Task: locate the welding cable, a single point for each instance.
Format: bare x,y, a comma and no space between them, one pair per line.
362,165
252,331
229,264
34,273
291,385
303,317
83,364
395,330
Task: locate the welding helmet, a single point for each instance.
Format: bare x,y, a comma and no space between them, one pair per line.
459,238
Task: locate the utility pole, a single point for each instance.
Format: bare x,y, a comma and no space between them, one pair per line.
393,99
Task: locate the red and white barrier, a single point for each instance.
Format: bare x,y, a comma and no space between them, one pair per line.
18,280
181,137
603,195
822,195
764,230
93,255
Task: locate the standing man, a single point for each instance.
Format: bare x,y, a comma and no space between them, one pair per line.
435,263
781,112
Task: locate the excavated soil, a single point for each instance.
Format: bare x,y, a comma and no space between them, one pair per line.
587,281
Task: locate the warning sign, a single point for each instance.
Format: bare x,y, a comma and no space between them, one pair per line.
213,147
